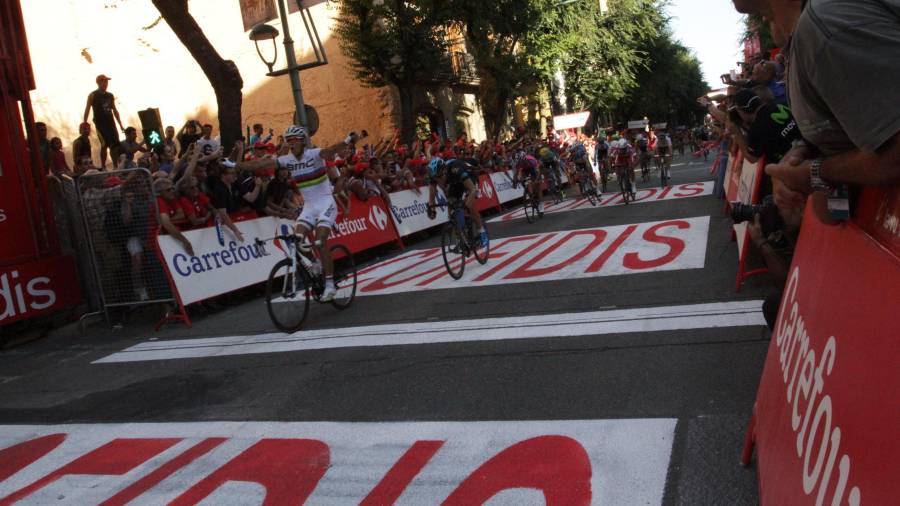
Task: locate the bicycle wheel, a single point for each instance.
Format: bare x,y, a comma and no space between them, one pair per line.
528,207
591,192
663,176
344,277
287,297
481,251
623,187
453,251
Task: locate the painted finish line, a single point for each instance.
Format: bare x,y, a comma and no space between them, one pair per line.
595,323
621,462
624,249
608,199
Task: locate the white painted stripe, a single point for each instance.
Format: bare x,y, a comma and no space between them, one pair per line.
619,321
624,462
614,198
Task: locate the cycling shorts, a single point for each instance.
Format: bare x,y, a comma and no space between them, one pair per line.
318,213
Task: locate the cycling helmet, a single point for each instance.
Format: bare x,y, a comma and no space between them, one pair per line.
544,152
296,131
435,165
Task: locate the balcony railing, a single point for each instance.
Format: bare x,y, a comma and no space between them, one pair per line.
459,71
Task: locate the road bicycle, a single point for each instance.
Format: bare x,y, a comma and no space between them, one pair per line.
626,187
665,165
555,189
586,185
299,278
645,167
531,202
459,240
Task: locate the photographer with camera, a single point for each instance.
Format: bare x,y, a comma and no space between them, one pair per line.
774,233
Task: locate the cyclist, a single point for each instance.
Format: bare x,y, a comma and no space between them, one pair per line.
579,156
643,148
623,161
457,179
601,152
664,152
550,161
527,171
313,177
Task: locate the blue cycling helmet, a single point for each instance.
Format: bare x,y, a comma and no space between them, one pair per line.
435,165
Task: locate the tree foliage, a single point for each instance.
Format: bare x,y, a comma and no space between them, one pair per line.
621,61
395,42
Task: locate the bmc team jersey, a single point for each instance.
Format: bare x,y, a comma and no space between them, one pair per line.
309,173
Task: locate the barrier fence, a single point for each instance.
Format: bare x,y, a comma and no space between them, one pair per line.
825,419
117,238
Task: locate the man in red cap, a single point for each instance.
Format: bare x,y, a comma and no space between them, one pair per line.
103,104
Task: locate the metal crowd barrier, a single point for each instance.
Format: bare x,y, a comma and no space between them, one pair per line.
114,216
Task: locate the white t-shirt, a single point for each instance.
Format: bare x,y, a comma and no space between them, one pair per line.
309,172
207,146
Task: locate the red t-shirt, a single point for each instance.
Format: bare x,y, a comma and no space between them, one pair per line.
171,208
197,208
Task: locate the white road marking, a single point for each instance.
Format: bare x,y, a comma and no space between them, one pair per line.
622,462
619,321
613,198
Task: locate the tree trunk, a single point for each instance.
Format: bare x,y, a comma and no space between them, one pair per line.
494,103
407,114
223,75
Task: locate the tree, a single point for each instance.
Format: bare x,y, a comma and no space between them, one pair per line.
494,31
222,74
668,85
395,42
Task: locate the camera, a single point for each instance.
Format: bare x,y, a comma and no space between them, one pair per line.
769,218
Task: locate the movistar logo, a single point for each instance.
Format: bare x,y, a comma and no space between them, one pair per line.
782,115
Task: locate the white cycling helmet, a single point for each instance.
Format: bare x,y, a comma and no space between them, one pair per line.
296,131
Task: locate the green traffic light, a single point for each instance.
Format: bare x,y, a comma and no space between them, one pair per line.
154,138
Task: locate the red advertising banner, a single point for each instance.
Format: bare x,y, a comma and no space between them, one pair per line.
35,288
369,224
826,414
487,196
16,212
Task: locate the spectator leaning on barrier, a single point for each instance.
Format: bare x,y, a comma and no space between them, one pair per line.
842,66
171,213
224,199
771,130
280,196
197,206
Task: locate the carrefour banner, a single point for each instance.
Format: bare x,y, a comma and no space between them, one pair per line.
221,263
409,208
503,185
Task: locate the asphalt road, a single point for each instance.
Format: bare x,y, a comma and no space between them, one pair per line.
700,379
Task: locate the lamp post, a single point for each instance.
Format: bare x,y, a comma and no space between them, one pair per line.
263,32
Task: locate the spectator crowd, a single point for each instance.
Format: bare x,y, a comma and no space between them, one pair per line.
820,112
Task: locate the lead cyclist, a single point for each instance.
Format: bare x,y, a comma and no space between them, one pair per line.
313,176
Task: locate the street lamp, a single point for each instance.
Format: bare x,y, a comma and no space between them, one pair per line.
264,32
